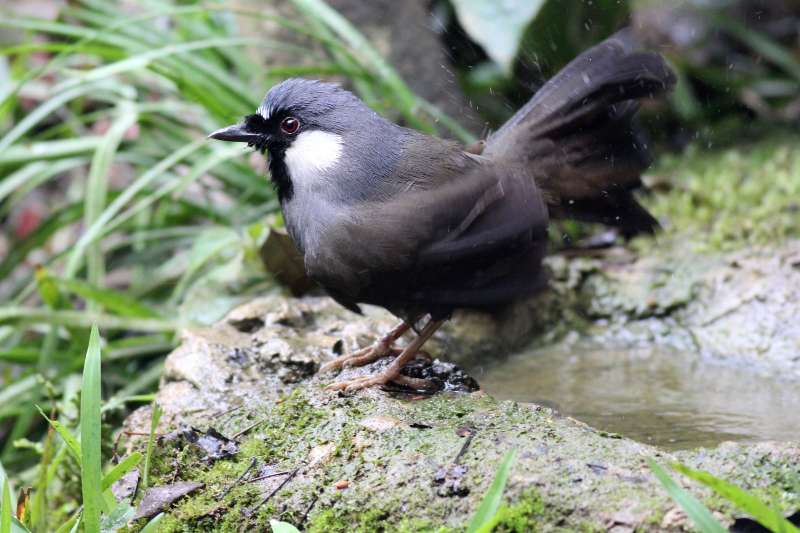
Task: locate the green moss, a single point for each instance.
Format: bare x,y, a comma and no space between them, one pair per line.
525,515
730,198
282,438
333,520
531,513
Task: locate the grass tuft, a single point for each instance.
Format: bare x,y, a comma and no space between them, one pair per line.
91,459
486,516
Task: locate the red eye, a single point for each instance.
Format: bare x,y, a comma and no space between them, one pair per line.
290,125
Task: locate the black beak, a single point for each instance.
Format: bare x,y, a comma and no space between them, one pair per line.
236,133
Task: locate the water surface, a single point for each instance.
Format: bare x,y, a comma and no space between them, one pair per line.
652,395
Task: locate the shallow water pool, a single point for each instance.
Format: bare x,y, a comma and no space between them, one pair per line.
652,395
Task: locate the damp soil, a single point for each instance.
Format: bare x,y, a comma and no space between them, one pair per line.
659,396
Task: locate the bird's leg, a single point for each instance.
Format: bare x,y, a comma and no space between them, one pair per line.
369,354
392,372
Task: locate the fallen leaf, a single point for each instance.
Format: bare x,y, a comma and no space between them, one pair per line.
321,454
215,444
157,499
125,486
281,259
381,424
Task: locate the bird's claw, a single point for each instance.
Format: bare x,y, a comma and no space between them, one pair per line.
365,382
381,379
361,357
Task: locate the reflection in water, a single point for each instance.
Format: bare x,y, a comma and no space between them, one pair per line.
655,396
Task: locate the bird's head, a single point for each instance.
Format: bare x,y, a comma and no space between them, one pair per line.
304,125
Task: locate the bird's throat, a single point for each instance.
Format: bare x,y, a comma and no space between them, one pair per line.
311,156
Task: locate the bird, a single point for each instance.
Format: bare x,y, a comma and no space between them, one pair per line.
423,226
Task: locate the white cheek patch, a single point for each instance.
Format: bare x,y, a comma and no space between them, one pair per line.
311,154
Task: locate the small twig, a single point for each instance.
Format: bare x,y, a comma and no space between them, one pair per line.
228,414
308,510
238,479
729,311
142,434
114,455
249,512
267,476
465,446
248,428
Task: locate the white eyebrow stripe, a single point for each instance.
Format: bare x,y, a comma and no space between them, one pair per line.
264,111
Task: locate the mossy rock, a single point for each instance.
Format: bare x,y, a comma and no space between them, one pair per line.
374,461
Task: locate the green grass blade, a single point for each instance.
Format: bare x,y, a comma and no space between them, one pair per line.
136,346
356,40
20,389
153,173
144,59
282,527
5,508
67,526
762,45
152,525
39,516
448,122
483,519
91,460
72,443
125,466
17,185
57,220
170,187
46,109
56,28
154,420
20,177
18,527
84,319
117,302
407,102
4,479
214,241
96,192
20,355
8,505
764,514
696,511
47,150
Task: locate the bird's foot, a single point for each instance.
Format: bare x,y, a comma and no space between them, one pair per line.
370,354
365,356
392,372
361,357
381,379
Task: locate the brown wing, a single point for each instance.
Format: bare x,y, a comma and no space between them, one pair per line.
577,134
448,245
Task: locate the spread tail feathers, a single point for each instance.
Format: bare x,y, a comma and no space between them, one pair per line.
577,136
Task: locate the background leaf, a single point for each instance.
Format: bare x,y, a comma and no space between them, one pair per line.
498,26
